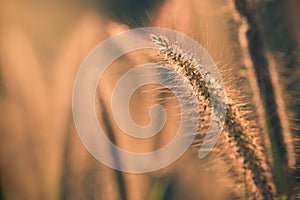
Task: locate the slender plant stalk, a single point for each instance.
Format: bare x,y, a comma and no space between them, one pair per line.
269,90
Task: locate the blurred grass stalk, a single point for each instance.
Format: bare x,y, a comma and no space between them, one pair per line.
270,90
